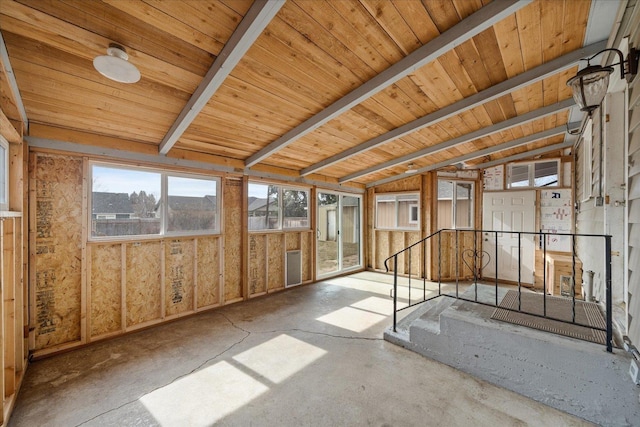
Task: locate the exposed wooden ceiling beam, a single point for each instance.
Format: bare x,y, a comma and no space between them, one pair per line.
467,28
480,133
153,159
500,147
528,154
249,29
536,74
8,130
13,85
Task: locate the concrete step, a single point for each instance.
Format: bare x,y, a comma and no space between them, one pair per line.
553,369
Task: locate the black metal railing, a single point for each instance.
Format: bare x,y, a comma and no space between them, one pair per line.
477,265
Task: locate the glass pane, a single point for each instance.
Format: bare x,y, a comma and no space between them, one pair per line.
327,233
192,204
546,174
264,212
519,176
296,208
350,231
464,205
408,209
445,204
124,202
385,212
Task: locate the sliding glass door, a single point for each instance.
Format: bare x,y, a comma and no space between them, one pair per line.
338,233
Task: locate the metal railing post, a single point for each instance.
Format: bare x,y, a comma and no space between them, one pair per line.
395,291
544,274
496,253
457,259
440,262
519,270
609,303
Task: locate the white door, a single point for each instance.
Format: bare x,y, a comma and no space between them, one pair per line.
503,212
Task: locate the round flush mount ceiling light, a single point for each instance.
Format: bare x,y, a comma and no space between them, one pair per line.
115,65
411,168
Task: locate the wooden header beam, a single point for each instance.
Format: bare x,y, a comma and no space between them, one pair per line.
500,147
536,74
13,85
480,133
464,30
541,150
249,29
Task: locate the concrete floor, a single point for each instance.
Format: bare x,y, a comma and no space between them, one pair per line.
312,355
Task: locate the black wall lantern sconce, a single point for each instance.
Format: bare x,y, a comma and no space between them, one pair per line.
590,85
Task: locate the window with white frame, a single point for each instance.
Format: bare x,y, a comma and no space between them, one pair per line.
397,211
128,202
542,173
4,174
277,207
455,204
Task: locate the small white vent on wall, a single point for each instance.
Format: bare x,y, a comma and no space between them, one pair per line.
293,267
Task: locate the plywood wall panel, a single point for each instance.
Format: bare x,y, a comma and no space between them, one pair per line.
416,253
232,193
382,248
407,184
208,268
179,274
275,256
397,244
58,239
257,264
106,289
143,287
293,241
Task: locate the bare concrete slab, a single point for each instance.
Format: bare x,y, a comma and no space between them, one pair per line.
308,356
575,376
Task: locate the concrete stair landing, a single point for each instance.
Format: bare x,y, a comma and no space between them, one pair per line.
575,376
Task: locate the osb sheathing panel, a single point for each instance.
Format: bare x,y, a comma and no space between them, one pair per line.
233,239
106,289
208,271
293,241
275,255
382,248
179,284
397,244
408,184
306,247
257,263
454,255
416,253
143,286
58,287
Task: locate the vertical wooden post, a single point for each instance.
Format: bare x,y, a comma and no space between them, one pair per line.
245,237
85,237
2,334
8,291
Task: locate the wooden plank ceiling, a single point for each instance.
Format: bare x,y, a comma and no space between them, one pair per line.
310,55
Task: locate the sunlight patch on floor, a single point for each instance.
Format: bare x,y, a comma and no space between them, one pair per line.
280,357
376,305
352,319
203,397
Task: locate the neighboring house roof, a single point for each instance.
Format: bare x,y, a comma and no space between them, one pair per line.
258,204
110,203
188,203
